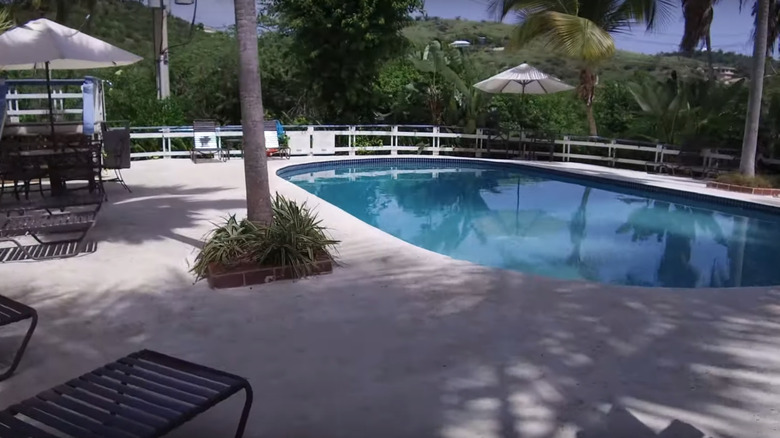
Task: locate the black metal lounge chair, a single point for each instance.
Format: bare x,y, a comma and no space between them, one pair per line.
11,312
14,227
146,394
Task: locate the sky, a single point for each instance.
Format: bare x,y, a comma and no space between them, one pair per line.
730,29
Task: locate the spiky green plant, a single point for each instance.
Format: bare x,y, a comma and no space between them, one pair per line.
295,238
227,245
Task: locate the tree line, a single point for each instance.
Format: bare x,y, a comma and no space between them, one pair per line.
336,62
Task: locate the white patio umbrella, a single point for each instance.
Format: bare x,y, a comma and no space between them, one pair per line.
45,44
523,79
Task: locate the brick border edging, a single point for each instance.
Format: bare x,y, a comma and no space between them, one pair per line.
219,277
743,189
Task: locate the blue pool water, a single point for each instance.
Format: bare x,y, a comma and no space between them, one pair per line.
544,223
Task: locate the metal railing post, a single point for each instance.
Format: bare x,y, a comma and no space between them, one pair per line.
436,140
310,132
394,140
351,140
164,142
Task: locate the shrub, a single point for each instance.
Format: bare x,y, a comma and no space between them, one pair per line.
746,181
294,238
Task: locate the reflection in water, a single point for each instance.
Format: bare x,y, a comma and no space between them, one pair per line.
577,230
676,226
508,219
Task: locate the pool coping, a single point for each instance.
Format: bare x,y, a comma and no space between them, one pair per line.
726,199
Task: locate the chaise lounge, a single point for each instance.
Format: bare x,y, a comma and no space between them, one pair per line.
144,395
14,227
12,312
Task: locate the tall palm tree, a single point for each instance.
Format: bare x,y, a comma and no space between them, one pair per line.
747,165
698,19
581,29
773,24
258,195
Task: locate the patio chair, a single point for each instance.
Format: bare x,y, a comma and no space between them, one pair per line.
206,142
272,130
3,108
144,395
687,162
78,158
14,227
116,153
18,171
12,312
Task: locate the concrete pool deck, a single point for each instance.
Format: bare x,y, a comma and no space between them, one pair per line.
399,341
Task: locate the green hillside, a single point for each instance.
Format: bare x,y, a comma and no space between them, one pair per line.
486,36
126,24
204,79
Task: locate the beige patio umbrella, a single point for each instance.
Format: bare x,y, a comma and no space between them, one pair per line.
45,44
523,79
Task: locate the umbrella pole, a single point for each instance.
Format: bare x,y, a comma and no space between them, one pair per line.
51,103
522,103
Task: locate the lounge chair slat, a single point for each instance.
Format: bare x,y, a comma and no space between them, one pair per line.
150,386
104,416
85,422
146,396
162,380
116,407
170,372
19,426
124,400
149,409
190,368
53,421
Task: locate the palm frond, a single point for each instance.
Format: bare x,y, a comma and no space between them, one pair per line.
652,13
573,36
502,8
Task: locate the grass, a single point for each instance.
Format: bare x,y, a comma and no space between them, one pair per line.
760,181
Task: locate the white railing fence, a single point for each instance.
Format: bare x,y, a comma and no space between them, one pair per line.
350,140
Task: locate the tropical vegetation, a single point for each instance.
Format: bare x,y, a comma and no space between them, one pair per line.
407,73
581,30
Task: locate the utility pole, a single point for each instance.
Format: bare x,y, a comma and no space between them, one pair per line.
160,40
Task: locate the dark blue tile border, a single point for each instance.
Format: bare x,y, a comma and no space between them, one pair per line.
604,182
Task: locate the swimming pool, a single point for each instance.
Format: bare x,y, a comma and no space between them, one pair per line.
548,223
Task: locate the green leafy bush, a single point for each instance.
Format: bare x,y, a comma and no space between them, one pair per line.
294,238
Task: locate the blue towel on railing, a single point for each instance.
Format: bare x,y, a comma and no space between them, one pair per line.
279,129
88,106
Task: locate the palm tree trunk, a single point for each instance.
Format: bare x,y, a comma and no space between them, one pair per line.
747,164
258,195
587,91
591,120
710,67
